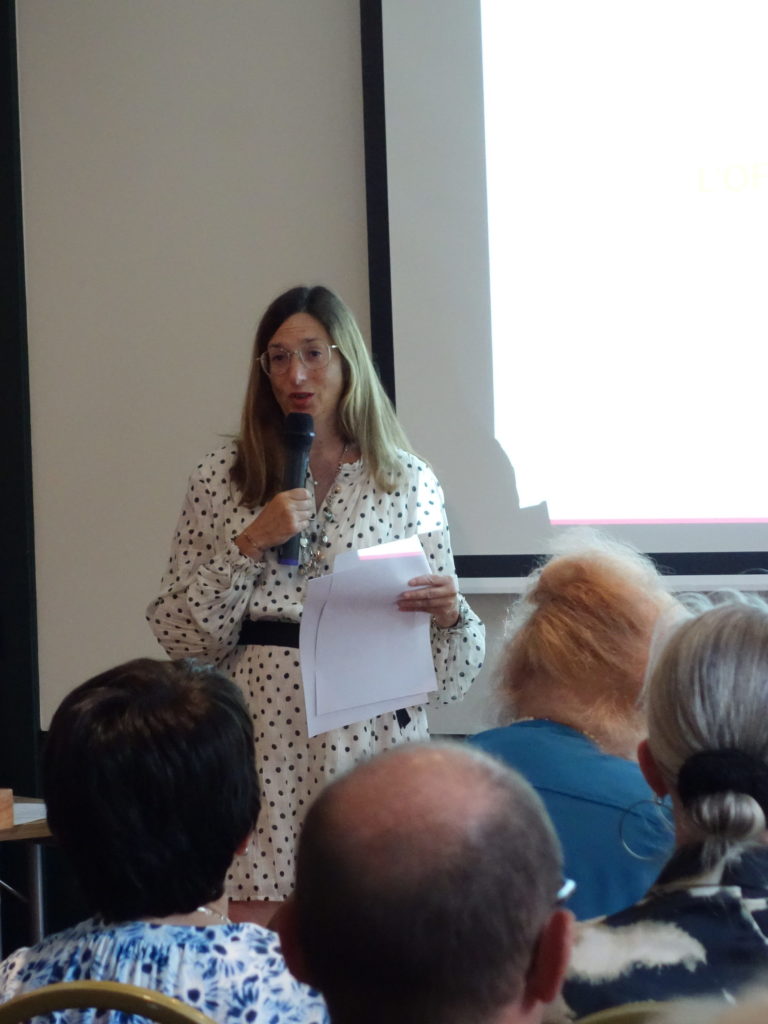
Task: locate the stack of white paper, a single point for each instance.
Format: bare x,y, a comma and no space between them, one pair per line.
24,813
360,655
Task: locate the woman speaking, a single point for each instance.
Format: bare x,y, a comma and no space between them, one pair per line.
227,598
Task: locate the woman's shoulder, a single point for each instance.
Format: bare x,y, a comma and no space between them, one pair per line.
207,957
31,966
214,469
676,929
414,468
611,963
220,458
217,942
684,912
411,461
630,939
235,953
108,946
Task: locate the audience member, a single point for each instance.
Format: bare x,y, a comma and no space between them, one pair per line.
150,787
427,893
703,928
570,680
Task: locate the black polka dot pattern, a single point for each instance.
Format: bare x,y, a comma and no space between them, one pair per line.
210,587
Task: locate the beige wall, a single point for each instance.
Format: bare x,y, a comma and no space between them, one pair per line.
183,162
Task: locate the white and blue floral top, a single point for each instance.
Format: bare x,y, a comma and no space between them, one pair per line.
232,973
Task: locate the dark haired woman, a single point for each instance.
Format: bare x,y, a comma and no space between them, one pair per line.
226,598
150,788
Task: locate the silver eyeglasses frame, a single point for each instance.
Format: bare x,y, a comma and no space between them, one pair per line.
566,890
264,358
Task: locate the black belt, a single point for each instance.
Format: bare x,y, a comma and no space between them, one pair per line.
269,633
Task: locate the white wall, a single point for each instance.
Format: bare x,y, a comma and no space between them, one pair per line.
183,162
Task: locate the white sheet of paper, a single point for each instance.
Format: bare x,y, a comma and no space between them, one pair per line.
393,549
347,716
24,813
367,649
316,723
317,594
360,655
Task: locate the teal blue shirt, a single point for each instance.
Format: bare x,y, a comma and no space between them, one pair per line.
595,800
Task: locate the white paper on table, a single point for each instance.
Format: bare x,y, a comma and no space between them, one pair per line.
360,655
24,813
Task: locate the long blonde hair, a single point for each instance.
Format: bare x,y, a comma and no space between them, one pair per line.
366,415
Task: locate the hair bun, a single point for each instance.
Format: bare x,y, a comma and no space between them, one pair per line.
723,771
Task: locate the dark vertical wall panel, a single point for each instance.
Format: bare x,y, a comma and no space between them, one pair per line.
19,715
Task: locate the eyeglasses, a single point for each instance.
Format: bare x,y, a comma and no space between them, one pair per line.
564,893
275,361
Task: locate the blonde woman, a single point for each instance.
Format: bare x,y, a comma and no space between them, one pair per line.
225,596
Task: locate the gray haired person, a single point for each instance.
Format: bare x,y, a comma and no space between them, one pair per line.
702,930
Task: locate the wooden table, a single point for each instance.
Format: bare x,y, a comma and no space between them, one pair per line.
33,833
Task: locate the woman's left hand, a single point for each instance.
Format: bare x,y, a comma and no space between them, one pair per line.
437,595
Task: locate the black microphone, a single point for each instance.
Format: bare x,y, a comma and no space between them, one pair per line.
298,435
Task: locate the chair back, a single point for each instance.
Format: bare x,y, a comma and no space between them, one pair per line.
100,995
629,1013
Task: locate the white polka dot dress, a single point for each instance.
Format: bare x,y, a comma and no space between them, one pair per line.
210,587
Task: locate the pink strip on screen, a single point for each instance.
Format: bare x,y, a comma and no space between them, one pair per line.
650,522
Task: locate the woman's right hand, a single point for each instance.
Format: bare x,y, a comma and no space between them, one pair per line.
285,515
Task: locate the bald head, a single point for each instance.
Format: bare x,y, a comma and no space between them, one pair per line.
400,812
423,879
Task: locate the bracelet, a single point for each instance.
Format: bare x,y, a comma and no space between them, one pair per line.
458,624
251,541
251,550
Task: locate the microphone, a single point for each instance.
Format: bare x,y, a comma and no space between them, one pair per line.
298,435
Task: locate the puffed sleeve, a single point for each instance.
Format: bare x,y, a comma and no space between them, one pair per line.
458,652
208,585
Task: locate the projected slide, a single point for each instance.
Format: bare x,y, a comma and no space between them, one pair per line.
627,186
577,196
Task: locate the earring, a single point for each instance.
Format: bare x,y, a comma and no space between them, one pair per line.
665,820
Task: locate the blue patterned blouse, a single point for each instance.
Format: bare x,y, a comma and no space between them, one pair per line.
232,973
704,935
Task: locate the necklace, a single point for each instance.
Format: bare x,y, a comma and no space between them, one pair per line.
541,718
214,913
315,539
316,477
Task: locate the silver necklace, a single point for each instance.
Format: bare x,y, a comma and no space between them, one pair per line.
214,913
314,540
344,450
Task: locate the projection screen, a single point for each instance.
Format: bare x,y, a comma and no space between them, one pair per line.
567,211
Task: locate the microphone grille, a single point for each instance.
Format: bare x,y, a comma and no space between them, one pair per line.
299,430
